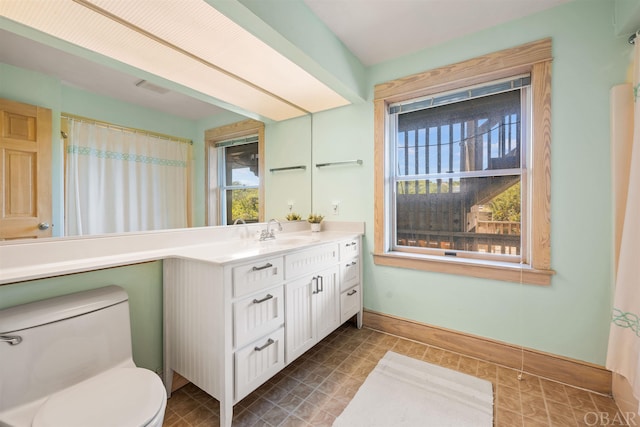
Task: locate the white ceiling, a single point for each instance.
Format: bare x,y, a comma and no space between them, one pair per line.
380,30
374,30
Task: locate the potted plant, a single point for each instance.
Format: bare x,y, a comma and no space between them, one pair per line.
293,217
315,220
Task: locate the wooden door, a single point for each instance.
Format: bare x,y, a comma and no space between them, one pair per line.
25,171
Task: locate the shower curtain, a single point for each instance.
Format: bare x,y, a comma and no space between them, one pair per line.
623,355
119,180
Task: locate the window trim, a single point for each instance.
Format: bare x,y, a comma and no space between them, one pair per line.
534,58
212,136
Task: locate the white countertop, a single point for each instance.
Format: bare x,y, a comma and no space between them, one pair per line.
31,260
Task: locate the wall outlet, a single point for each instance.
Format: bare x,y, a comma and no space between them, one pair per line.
335,207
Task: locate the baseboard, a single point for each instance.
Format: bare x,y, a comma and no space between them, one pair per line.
557,368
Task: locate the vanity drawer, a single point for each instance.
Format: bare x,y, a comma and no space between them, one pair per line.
349,303
310,260
349,249
257,275
349,273
257,362
257,315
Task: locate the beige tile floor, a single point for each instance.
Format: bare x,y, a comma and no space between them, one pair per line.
314,389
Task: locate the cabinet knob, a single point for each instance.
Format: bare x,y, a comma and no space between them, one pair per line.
43,226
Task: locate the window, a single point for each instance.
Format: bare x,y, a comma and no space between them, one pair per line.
462,176
457,169
239,180
234,158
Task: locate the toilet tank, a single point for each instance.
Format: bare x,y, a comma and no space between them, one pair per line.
63,340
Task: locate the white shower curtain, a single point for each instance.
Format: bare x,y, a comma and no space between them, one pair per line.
623,356
119,180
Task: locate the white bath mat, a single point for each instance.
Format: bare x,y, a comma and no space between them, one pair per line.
406,392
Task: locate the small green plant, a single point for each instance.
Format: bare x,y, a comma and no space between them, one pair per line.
315,218
293,217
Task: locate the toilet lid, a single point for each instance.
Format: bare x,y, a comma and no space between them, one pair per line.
119,397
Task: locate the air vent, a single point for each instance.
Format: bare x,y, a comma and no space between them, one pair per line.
152,87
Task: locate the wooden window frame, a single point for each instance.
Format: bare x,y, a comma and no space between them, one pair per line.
534,58
212,136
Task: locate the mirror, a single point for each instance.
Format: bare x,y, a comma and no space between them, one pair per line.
38,74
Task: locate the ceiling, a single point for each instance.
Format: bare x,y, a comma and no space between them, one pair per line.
379,30
373,30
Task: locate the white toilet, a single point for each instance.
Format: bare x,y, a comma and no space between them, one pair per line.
66,362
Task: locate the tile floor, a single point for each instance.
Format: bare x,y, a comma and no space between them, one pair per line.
315,388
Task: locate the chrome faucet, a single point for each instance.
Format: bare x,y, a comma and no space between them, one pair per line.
239,220
268,234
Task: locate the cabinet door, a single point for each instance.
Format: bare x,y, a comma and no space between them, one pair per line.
326,303
298,316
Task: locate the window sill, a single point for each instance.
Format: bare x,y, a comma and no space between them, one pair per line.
466,267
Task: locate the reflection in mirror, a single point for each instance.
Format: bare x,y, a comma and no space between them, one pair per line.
240,181
289,190
120,179
38,74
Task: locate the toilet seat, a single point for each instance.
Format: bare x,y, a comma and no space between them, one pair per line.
119,397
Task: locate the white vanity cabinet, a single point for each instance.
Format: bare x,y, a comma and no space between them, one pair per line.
224,326
229,327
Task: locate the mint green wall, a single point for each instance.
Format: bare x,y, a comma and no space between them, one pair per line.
288,143
143,283
570,317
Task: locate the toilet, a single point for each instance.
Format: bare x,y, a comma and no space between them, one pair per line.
67,362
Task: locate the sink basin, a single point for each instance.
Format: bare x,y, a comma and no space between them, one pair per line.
285,240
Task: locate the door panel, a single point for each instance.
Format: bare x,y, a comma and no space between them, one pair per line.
25,170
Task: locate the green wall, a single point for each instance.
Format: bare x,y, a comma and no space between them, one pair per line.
569,318
143,283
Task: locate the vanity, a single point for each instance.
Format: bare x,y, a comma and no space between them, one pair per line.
232,321
236,310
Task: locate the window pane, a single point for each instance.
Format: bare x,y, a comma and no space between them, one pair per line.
243,204
479,134
470,214
241,167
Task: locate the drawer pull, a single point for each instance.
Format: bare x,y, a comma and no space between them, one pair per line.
267,344
267,265
258,301
352,263
351,244
353,292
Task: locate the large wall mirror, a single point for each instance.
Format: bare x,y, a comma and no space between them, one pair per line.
36,73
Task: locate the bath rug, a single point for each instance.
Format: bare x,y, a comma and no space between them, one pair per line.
406,392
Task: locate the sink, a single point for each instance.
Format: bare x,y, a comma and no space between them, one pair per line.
284,240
